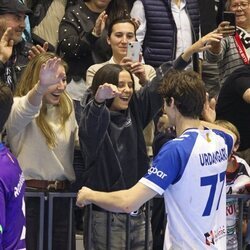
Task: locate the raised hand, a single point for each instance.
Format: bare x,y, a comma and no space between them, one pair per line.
48,74
37,49
204,43
100,24
6,45
106,91
209,113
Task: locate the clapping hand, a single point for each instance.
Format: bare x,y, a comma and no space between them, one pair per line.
37,49
6,45
100,24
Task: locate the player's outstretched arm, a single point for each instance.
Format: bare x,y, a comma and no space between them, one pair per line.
124,201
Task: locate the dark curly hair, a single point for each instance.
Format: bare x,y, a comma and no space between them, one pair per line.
188,91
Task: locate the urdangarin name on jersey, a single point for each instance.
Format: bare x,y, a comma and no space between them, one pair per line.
214,157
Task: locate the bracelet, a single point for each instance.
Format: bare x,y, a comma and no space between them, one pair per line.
98,104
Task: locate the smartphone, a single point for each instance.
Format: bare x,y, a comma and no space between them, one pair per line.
134,50
229,16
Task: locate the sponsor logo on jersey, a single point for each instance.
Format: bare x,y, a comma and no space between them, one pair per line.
18,188
214,235
207,159
159,173
209,238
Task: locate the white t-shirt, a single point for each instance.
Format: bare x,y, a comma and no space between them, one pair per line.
190,172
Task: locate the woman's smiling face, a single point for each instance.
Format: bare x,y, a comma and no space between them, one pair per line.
54,92
126,87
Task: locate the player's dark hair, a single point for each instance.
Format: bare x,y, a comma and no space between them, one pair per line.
188,91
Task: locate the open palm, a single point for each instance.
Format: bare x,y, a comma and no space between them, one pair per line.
6,45
48,73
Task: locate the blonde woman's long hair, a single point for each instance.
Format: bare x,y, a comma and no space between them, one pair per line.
28,80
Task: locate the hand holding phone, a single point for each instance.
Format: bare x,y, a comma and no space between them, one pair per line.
133,51
229,16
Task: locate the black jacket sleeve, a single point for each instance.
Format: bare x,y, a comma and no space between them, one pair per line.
1,68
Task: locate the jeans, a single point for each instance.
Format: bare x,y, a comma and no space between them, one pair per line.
99,230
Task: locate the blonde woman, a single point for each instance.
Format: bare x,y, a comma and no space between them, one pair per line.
42,132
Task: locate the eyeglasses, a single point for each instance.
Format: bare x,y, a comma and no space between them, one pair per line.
243,6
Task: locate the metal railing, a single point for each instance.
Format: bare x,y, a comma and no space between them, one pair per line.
49,196
242,198
41,197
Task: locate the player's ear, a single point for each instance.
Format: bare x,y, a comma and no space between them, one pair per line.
172,102
168,101
236,146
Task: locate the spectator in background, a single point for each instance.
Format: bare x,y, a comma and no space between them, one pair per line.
82,43
112,113
42,132
46,18
27,32
166,28
233,105
238,182
120,33
82,39
12,186
12,15
193,217
232,51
